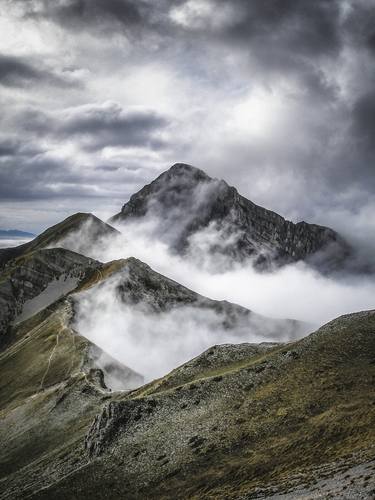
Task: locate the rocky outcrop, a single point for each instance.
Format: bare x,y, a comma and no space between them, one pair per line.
190,207
116,376
114,418
34,281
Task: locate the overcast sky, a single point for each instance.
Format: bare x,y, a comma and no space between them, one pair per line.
275,96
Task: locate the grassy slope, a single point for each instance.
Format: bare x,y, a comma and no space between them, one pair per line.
43,406
249,424
24,364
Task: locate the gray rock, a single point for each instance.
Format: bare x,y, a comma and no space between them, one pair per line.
186,201
30,283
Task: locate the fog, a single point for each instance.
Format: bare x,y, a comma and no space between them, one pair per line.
152,343
294,291
13,242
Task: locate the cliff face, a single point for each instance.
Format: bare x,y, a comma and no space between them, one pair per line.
30,283
187,204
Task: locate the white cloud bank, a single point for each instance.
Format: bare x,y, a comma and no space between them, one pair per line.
154,343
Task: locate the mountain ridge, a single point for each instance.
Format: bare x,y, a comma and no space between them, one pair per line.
190,202
52,235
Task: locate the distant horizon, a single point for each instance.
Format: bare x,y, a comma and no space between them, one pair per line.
14,230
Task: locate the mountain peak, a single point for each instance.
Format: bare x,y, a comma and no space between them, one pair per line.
186,169
184,202
96,228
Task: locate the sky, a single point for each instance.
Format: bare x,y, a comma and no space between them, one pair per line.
277,97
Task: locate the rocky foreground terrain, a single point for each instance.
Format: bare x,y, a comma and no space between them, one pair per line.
239,421
187,205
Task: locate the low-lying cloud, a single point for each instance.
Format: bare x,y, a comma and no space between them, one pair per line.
293,291
152,342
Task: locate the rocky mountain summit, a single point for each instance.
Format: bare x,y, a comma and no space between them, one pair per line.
189,207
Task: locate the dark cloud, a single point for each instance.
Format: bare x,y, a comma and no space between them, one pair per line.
98,126
8,147
42,177
364,120
305,26
32,178
300,26
359,23
73,14
107,168
29,171
18,72
14,71
275,38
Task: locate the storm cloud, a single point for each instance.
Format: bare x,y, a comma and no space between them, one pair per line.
19,72
275,97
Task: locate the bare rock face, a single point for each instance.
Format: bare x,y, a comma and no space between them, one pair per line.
30,283
114,418
189,207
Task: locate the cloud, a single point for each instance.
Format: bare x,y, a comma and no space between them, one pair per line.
294,291
39,177
73,14
364,121
153,340
304,28
98,126
18,72
108,124
274,97
14,71
153,343
8,147
73,153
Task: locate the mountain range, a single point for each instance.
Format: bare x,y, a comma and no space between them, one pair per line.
290,417
15,233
